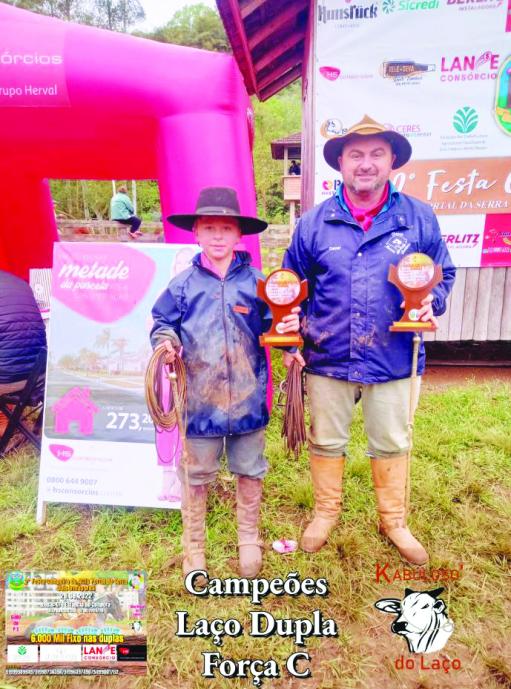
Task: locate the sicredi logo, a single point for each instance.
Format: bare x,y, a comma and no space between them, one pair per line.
353,12
470,67
465,120
391,6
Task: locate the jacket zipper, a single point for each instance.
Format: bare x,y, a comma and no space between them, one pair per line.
227,357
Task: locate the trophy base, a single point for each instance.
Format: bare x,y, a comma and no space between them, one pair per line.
280,341
411,326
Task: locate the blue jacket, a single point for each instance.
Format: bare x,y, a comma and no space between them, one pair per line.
121,207
22,332
351,303
218,322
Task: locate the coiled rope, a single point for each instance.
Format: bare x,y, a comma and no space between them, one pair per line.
293,428
167,420
154,393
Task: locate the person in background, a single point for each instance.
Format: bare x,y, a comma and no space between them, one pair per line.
22,332
294,168
122,211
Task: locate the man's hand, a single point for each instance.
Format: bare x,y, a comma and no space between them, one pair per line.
171,352
289,357
426,312
290,323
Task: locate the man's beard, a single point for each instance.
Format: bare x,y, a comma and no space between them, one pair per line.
377,184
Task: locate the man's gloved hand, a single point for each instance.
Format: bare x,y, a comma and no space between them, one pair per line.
171,352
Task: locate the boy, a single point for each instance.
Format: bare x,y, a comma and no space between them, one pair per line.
211,310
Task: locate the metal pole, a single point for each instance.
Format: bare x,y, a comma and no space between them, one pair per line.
411,414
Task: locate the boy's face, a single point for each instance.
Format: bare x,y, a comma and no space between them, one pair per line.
217,235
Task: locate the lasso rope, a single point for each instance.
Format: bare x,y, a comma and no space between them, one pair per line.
293,428
154,392
176,373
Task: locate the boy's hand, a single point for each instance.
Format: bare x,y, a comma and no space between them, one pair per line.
288,358
171,352
290,323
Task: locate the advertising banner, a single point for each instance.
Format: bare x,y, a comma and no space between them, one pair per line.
99,443
444,82
76,623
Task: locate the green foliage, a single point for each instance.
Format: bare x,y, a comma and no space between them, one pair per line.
91,198
197,26
275,118
116,15
460,510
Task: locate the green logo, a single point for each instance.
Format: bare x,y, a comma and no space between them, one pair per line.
388,6
15,581
22,650
465,120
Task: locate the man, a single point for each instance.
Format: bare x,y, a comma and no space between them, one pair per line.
294,168
122,211
344,248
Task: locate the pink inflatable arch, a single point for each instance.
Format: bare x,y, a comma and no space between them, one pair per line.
78,102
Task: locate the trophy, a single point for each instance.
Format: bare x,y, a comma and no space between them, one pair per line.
415,276
282,291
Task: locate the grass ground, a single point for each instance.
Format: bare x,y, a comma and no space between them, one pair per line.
461,509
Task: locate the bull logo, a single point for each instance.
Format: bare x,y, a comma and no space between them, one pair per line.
421,618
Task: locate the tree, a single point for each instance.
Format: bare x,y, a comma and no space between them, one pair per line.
275,118
116,15
197,26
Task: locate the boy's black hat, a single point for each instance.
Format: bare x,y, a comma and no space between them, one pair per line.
219,201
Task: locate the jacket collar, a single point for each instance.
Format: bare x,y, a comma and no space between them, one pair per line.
241,258
394,219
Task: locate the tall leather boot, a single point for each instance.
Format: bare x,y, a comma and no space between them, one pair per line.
194,528
389,477
248,505
326,473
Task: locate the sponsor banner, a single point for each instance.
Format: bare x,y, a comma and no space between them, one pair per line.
33,76
452,100
70,620
60,653
497,241
22,653
98,438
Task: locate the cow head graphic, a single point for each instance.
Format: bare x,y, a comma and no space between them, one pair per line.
421,618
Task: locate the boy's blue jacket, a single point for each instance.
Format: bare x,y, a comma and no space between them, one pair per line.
218,322
351,304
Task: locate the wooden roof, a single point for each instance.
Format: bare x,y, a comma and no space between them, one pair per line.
267,39
293,143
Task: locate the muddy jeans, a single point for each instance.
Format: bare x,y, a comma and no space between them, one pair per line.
385,407
244,457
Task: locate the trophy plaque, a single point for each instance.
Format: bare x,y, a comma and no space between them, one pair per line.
415,276
282,291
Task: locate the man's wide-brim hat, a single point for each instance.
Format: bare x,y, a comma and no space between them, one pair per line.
368,127
219,201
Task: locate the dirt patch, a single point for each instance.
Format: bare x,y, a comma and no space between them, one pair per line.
442,376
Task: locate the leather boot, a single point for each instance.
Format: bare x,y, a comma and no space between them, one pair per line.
389,477
248,503
194,528
326,475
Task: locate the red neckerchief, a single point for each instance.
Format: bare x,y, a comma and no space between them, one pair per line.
365,216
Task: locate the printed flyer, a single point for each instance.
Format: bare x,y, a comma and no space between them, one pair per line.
98,437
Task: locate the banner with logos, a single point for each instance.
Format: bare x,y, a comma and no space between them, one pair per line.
99,443
438,72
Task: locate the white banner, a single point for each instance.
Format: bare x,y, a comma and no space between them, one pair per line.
98,442
438,72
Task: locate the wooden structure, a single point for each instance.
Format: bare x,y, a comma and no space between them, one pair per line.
288,149
273,43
